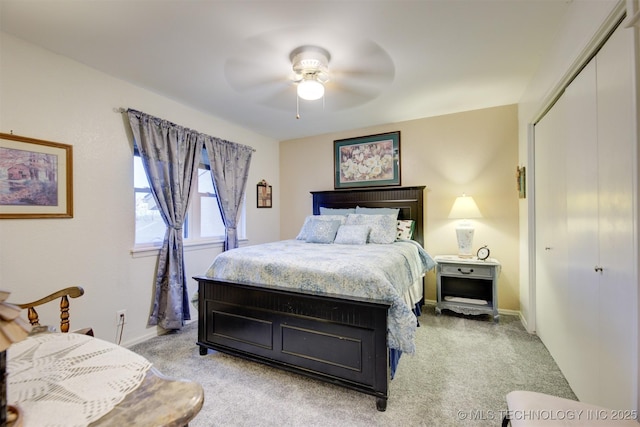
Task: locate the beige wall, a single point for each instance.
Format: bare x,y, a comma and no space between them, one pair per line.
474,152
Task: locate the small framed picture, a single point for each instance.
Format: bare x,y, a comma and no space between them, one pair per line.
264,194
36,178
367,161
521,182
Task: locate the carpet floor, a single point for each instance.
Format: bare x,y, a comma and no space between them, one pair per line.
459,376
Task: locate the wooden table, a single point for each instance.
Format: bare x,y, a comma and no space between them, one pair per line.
157,400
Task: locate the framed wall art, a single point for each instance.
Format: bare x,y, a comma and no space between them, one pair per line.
36,178
367,161
521,182
265,193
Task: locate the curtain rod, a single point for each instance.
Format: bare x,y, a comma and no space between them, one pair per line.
124,110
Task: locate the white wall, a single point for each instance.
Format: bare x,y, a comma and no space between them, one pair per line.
581,26
47,96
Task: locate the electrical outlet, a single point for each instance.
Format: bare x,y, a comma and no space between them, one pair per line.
121,317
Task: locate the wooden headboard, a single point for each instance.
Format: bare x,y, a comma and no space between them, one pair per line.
408,199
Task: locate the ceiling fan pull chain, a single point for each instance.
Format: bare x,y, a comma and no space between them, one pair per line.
297,107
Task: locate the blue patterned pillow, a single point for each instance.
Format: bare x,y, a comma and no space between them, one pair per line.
378,211
304,231
322,231
336,211
383,227
352,235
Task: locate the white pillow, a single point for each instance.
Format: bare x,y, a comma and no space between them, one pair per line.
304,231
383,227
352,235
406,228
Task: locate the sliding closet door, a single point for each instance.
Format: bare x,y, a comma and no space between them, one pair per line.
550,199
616,168
586,236
583,289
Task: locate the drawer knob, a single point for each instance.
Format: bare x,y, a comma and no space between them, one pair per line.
466,272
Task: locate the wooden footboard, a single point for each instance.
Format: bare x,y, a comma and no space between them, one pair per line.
337,340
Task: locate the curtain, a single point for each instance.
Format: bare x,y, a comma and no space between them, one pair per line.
170,155
229,170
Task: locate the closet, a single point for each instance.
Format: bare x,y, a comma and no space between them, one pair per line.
586,243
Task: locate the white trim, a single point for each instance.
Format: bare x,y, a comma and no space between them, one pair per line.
530,323
147,251
633,14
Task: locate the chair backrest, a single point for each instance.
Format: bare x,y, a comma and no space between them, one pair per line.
64,294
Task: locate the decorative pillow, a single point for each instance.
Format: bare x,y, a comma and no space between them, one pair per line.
304,231
383,227
334,211
352,234
322,231
378,211
406,227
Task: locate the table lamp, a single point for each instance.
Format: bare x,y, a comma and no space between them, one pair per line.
465,208
12,329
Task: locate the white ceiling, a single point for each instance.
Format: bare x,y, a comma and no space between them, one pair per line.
390,60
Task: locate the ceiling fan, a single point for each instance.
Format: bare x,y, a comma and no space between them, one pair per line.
270,71
311,71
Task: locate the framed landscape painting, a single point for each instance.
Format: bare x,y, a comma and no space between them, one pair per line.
367,161
36,178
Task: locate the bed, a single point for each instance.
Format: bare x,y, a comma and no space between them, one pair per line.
336,333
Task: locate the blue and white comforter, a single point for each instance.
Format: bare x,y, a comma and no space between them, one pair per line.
380,272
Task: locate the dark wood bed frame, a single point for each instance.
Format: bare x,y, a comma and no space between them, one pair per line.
340,340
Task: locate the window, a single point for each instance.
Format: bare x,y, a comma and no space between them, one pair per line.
203,222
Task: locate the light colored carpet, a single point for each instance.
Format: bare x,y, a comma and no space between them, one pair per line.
463,368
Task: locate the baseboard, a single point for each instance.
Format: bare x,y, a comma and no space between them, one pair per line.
151,333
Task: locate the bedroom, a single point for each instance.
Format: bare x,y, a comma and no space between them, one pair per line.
51,97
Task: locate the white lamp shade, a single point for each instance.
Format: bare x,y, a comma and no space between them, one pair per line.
464,208
310,90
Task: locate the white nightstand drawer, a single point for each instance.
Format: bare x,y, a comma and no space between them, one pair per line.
467,270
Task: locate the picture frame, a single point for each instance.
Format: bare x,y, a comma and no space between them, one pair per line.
264,195
521,182
36,178
367,161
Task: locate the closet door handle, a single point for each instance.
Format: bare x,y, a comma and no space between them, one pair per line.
598,269
547,248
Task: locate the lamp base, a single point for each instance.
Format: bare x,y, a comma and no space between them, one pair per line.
464,233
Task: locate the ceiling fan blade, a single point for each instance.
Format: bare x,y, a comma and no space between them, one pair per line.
340,97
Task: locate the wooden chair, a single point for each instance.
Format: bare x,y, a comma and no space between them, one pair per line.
64,294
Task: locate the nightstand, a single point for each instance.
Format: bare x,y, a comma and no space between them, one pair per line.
467,285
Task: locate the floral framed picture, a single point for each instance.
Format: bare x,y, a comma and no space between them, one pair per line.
367,161
36,178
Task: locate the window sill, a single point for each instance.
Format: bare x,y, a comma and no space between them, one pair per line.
147,251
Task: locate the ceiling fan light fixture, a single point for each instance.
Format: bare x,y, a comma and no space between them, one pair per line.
310,89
